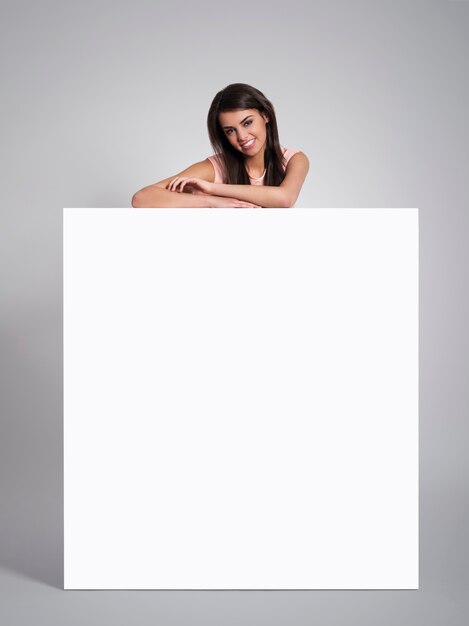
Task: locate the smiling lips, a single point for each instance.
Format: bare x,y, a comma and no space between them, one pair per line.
248,144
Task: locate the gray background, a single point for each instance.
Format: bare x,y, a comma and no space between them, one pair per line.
102,98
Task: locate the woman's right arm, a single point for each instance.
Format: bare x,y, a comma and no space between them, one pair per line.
157,196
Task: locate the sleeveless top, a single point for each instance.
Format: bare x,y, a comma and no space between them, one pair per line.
220,175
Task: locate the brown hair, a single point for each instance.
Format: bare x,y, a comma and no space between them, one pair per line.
242,96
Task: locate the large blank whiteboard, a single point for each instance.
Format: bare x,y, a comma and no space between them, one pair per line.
241,398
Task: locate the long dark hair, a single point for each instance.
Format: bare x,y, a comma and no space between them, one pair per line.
242,96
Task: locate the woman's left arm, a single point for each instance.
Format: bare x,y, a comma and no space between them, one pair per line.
284,195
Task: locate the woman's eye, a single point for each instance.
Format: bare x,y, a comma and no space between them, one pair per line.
230,130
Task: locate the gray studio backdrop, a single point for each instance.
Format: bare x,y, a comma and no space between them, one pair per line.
102,98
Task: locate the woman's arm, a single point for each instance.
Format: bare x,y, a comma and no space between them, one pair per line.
264,196
159,196
155,197
284,195
163,199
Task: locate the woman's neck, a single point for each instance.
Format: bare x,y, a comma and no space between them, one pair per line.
255,165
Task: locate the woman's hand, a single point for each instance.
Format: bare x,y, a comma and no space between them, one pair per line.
198,186
219,202
190,185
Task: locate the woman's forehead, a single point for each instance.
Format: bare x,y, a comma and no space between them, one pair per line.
236,116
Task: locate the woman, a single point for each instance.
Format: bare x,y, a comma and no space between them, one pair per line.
249,167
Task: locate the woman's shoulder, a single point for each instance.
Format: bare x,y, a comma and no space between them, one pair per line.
217,162
288,153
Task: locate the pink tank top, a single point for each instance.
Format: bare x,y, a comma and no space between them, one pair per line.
221,178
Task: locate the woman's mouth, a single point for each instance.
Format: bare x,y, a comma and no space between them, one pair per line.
248,144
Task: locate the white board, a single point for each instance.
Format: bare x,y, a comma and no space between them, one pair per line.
241,398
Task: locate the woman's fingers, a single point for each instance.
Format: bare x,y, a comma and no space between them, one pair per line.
242,204
228,203
178,184
192,185
172,186
245,204
183,183
188,183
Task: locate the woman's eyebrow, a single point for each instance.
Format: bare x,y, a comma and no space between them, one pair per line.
240,122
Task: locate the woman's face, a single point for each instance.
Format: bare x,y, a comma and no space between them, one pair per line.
245,130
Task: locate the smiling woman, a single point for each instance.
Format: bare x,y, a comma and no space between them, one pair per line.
249,168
